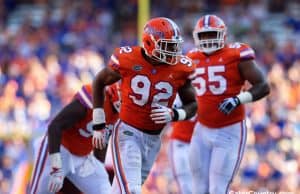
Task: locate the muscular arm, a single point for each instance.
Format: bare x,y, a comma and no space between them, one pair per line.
251,72
105,77
188,97
64,120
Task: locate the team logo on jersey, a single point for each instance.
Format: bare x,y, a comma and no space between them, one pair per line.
153,71
137,68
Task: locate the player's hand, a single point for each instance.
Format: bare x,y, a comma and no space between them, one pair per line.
100,137
161,114
56,180
56,175
229,104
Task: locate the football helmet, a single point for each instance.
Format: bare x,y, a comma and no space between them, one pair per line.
162,40
210,33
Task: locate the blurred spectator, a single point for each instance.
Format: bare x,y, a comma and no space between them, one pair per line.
288,54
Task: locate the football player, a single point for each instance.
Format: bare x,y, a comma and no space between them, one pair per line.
150,75
66,149
179,145
219,138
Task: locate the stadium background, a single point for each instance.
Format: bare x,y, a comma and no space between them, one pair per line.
49,48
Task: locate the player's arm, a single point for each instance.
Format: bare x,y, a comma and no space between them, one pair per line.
105,77
111,107
64,119
189,103
250,71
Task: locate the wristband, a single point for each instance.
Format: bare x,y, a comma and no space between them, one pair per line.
55,160
245,97
98,127
179,114
98,116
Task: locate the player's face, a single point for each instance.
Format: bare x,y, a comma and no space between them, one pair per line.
169,47
168,51
208,36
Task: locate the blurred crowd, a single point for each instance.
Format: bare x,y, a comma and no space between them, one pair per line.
49,48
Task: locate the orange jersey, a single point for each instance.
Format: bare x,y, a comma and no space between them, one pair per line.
112,103
78,139
144,85
217,78
183,130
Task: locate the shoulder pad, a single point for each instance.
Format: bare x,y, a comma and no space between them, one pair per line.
245,52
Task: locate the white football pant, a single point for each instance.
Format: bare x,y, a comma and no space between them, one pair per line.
179,160
134,153
215,156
